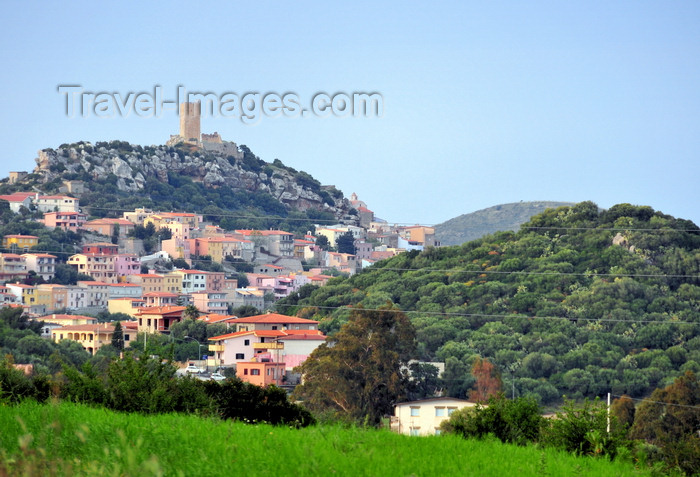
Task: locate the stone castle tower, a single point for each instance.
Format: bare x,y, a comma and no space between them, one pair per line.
190,115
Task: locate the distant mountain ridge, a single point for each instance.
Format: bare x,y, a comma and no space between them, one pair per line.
502,217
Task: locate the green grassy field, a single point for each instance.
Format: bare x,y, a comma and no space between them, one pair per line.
71,439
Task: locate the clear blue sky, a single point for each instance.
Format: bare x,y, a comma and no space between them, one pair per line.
484,102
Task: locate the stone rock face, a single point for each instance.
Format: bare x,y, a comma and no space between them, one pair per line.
213,165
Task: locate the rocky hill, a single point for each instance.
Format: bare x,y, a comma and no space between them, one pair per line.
502,217
228,178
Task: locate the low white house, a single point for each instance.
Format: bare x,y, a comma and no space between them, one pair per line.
423,417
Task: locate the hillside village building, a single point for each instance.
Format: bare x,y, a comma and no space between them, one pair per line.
56,203
423,417
65,220
265,348
20,242
44,264
93,336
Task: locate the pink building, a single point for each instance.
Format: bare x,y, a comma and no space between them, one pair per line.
215,281
210,302
65,220
110,226
126,264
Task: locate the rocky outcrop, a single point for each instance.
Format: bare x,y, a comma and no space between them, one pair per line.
224,165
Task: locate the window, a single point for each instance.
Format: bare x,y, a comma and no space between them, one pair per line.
246,343
438,431
239,356
255,372
440,412
245,371
450,410
415,411
274,327
415,431
126,337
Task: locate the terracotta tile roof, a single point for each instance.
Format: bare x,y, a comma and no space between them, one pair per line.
18,196
64,317
230,335
162,310
215,317
274,318
263,232
92,327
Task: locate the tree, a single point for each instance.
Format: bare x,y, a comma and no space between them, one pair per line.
623,409
670,419
322,242
424,381
191,312
245,310
514,421
583,430
118,336
346,243
488,380
359,373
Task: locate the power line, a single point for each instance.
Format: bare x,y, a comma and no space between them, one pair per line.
525,272
496,316
333,221
431,270
613,229
658,402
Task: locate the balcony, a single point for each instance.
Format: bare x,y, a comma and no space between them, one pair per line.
268,345
216,347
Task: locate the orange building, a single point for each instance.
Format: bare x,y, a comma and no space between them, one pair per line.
261,373
159,319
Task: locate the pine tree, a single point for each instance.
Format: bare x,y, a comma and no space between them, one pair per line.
118,336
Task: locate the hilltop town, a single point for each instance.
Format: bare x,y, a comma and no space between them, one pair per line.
153,266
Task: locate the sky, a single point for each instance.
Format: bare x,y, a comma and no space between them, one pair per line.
484,103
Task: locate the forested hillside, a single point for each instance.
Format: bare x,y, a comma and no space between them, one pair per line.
579,302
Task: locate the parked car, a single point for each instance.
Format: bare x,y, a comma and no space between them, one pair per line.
192,369
217,376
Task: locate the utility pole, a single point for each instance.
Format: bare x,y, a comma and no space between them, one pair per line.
608,428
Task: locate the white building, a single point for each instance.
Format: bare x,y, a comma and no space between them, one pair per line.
423,417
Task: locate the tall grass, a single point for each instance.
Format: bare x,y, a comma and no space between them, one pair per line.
71,439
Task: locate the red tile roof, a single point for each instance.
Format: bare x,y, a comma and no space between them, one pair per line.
162,310
274,318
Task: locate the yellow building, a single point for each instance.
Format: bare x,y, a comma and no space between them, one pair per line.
150,282
172,283
100,267
20,242
93,337
68,320
59,296
129,306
